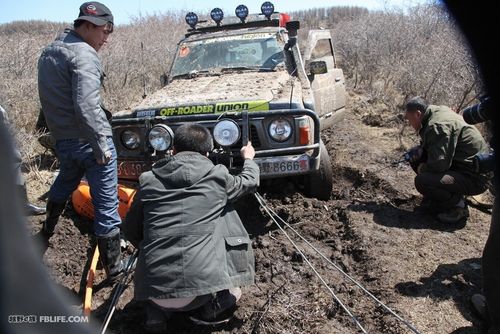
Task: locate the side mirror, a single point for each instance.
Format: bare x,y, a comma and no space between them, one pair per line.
292,27
317,67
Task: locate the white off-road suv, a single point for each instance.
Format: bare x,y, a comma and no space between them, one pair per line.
244,78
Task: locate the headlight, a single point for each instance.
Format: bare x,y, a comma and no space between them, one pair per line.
160,137
130,139
280,129
226,132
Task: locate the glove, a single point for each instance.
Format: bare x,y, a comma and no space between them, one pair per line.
105,158
414,154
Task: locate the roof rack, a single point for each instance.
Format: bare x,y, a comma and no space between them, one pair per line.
267,18
233,23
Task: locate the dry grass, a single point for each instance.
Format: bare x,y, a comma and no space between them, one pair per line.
388,55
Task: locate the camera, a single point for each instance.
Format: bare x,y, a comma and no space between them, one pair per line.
481,112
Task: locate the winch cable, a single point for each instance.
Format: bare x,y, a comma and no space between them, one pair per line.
265,207
119,290
262,202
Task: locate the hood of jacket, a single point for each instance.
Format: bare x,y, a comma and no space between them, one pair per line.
183,169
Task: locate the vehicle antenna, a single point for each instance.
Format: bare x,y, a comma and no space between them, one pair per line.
143,72
292,85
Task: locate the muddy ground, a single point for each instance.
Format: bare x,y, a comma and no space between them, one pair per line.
424,271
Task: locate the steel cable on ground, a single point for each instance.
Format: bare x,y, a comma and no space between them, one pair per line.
354,319
262,202
119,290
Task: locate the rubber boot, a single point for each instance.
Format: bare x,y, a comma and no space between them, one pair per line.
54,211
110,250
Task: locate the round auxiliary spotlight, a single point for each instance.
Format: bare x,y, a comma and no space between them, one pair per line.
241,12
217,15
161,137
191,19
226,132
267,9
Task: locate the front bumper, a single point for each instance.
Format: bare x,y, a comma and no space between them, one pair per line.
274,159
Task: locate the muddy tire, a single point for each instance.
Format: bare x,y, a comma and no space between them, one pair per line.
320,183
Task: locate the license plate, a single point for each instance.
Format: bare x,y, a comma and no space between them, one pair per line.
131,170
283,165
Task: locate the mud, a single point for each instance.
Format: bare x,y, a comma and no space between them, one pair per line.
423,270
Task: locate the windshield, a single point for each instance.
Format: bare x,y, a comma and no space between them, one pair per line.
254,51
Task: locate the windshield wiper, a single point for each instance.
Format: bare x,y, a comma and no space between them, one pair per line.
240,68
196,73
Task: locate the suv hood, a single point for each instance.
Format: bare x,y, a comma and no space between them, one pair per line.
270,87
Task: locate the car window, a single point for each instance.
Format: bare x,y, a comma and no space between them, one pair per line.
321,49
252,50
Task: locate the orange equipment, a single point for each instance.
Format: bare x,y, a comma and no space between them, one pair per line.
87,303
82,201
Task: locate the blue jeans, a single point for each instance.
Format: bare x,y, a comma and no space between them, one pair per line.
77,159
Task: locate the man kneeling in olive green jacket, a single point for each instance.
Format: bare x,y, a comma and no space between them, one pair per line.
194,252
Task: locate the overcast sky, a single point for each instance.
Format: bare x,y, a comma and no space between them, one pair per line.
67,10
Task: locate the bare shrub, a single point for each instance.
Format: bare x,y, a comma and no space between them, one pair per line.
387,54
20,46
405,52
136,56
327,17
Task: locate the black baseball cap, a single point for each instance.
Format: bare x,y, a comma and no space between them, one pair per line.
96,13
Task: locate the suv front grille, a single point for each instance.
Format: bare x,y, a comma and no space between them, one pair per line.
253,137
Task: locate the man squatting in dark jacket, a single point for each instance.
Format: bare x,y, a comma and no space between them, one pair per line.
194,252
444,160
69,82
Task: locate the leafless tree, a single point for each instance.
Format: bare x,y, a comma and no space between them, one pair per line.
389,55
412,51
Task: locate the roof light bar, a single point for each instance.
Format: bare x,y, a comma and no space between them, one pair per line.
267,9
217,15
241,12
192,19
